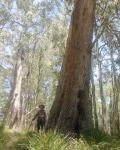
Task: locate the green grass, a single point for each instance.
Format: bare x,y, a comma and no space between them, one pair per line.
94,140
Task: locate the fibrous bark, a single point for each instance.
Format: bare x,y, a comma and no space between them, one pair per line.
71,96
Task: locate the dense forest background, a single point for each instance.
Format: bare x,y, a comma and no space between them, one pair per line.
33,35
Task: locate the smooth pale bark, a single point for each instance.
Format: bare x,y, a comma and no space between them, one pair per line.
71,96
103,102
15,110
94,100
39,78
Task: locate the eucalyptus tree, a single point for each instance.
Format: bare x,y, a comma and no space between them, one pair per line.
71,103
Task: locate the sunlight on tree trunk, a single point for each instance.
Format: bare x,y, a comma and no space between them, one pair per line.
103,102
16,103
94,100
71,92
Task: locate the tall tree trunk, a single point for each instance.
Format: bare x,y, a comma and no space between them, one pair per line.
15,110
38,89
71,103
94,100
114,116
103,102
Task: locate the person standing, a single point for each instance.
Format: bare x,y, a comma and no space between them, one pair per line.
40,117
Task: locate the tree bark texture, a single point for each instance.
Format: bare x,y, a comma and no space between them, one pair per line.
103,102
16,103
71,102
94,101
114,114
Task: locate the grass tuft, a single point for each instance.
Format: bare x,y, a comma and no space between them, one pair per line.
94,140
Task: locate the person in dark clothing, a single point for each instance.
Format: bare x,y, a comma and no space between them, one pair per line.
41,118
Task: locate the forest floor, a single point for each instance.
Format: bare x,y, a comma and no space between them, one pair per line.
10,140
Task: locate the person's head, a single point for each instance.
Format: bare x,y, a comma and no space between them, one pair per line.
41,106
